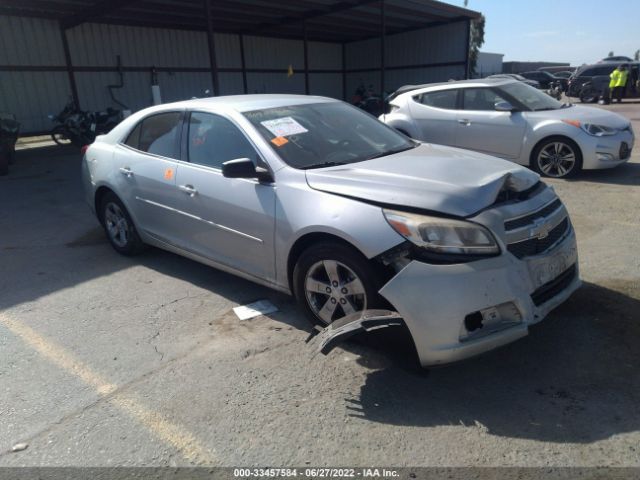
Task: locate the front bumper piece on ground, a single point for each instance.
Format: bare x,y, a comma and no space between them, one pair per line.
454,312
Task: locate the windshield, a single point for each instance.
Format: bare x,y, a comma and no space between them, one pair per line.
528,98
324,134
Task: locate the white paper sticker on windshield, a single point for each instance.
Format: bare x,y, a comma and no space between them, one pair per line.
283,127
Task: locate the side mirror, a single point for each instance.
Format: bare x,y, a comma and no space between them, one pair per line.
504,107
244,168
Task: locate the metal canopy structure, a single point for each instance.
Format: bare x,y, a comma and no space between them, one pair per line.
338,22
323,20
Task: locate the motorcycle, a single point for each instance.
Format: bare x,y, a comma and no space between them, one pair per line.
367,100
555,90
80,128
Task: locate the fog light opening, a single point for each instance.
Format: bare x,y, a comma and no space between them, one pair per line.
473,322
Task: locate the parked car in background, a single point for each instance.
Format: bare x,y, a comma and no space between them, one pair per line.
590,82
515,76
556,69
312,196
617,58
514,121
562,74
543,78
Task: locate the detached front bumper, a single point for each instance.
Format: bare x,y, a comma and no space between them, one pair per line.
497,299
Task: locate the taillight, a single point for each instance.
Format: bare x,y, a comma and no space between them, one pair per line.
84,149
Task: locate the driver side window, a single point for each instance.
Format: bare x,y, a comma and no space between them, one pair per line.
213,140
482,99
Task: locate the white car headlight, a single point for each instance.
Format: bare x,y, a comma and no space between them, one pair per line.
598,130
592,128
443,235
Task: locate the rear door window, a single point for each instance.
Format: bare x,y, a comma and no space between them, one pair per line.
447,99
157,134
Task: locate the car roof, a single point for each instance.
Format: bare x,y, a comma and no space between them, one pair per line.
478,82
246,103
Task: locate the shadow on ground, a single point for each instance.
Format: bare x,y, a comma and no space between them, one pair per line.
625,174
573,379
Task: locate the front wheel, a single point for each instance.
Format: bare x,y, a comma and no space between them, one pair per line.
557,157
588,95
60,136
332,280
119,227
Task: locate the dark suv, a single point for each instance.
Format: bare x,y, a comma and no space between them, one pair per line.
591,81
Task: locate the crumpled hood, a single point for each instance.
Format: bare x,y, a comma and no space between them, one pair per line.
594,115
431,177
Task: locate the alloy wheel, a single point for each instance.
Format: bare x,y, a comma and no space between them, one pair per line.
333,291
557,159
117,225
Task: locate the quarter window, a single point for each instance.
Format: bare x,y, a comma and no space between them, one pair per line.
157,134
214,140
446,99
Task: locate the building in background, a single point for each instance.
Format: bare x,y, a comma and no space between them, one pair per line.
488,64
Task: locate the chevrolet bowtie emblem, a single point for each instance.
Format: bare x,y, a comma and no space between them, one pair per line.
540,229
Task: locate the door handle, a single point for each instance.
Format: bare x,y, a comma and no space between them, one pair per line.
126,171
464,121
189,190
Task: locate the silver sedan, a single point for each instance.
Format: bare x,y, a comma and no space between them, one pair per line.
514,121
315,198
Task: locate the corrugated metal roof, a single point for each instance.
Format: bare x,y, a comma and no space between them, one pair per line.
325,20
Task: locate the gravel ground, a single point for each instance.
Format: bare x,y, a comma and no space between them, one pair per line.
106,360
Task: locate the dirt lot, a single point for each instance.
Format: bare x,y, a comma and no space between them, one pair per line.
106,360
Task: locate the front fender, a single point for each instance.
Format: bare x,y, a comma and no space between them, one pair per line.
549,128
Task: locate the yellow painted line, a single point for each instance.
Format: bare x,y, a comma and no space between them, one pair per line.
170,433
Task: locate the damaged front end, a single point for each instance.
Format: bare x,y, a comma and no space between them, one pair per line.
466,286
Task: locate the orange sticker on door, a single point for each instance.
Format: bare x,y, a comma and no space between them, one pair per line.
168,174
279,141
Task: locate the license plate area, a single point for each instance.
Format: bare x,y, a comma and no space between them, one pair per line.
544,269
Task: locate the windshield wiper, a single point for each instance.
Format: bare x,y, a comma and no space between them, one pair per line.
323,164
391,152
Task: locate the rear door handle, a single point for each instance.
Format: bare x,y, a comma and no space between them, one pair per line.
126,171
464,121
189,190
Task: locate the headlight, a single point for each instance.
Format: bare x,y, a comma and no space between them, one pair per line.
443,235
592,128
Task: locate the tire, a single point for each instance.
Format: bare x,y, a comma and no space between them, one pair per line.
59,136
560,166
119,227
588,95
330,300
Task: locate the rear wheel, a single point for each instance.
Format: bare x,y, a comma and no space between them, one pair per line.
119,227
332,280
557,157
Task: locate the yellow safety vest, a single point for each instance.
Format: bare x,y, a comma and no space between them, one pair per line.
618,78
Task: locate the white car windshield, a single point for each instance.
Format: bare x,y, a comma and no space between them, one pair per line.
325,134
526,97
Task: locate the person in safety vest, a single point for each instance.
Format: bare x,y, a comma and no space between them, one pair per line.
618,82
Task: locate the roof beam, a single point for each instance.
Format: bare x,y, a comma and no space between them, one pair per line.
313,13
100,9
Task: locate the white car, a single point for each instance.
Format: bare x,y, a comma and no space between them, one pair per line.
514,121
